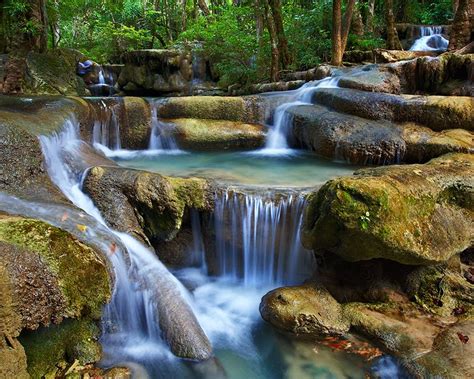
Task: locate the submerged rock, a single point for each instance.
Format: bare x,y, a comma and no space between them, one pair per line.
416,214
205,134
304,310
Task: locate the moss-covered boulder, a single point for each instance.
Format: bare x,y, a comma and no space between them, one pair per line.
304,310
244,109
416,214
54,73
22,120
205,134
138,201
48,276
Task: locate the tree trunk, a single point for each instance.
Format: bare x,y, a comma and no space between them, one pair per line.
183,15
347,24
336,58
357,22
369,23
285,58
269,22
455,6
463,25
204,8
393,43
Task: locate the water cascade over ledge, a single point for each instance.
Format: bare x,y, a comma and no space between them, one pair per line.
148,303
277,138
431,39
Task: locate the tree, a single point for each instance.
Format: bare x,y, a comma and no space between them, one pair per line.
393,43
463,25
284,54
340,33
269,22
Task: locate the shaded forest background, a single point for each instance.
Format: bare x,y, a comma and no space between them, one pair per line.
247,40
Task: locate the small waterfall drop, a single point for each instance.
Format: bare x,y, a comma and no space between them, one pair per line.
277,138
106,130
144,288
162,133
257,238
431,39
101,76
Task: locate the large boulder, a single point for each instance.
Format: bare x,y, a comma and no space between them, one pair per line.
304,310
204,134
147,204
48,276
244,109
436,112
416,214
364,141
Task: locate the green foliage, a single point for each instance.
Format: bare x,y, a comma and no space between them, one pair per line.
367,42
438,12
228,39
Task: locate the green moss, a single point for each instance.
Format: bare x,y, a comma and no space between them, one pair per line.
82,276
57,345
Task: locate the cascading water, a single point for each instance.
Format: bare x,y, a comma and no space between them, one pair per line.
147,297
106,130
277,138
257,238
161,136
431,39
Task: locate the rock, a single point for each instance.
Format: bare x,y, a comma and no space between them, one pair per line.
449,355
204,134
390,56
304,310
159,72
361,141
54,73
358,56
449,74
137,201
136,123
22,120
276,86
398,213
436,112
48,276
244,109
372,78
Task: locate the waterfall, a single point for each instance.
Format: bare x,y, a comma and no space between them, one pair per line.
162,133
257,238
147,297
277,138
431,39
101,76
106,130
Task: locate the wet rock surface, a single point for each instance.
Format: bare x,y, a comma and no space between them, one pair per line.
398,213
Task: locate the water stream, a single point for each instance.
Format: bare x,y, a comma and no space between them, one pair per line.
431,39
277,139
161,136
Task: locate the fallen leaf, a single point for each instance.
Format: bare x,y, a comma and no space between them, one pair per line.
64,217
463,338
82,228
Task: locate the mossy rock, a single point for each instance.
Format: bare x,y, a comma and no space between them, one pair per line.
307,310
415,214
204,134
147,203
243,109
54,73
50,350
81,273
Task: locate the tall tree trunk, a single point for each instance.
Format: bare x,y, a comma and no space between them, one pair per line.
183,15
455,6
336,57
346,27
463,25
269,22
285,57
204,8
393,43
39,17
357,22
369,23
